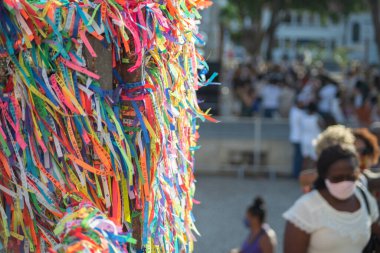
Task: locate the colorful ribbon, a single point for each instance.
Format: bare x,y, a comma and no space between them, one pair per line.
68,143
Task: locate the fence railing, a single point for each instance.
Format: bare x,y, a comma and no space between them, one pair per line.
266,140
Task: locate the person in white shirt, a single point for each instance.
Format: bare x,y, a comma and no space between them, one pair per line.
295,117
336,109
270,95
337,216
327,94
310,127
308,92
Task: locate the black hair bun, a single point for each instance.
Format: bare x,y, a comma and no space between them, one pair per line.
258,209
258,203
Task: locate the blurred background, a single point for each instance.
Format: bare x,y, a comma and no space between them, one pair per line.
272,56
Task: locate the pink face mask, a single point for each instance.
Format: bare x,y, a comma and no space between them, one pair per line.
342,190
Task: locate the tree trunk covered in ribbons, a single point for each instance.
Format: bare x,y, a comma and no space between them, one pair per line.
98,124
102,65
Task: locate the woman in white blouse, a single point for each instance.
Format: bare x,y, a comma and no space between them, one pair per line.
334,217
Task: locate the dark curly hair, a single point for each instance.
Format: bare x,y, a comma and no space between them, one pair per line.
328,157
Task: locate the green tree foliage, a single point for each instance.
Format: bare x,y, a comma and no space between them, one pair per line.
253,35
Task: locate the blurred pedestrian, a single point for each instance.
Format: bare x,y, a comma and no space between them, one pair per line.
308,88
241,76
310,128
248,99
352,77
362,103
336,109
270,95
375,113
326,95
286,100
349,82
261,238
242,89
368,148
334,217
295,118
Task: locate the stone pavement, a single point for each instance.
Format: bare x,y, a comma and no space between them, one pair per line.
224,200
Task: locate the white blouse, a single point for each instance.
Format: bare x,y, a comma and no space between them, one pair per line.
331,230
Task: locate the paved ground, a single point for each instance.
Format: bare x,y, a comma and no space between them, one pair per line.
224,202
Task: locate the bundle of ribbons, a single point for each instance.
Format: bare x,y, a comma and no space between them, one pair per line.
86,229
84,167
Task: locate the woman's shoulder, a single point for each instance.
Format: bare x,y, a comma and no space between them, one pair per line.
367,201
269,236
363,193
310,199
303,213
269,232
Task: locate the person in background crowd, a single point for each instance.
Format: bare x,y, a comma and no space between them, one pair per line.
310,128
242,75
242,85
375,113
336,109
327,94
270,95
248,99
375,129
356,100
295,117
243,90
368,148
351,78
261,238
334,217
286,100
308,87
362,103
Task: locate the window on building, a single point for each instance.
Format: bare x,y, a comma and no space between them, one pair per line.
322,43
303,43
311,19
355,32
299,19
287,18
277,43
288,43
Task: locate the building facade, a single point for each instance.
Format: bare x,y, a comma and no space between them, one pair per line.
307,33
210,28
